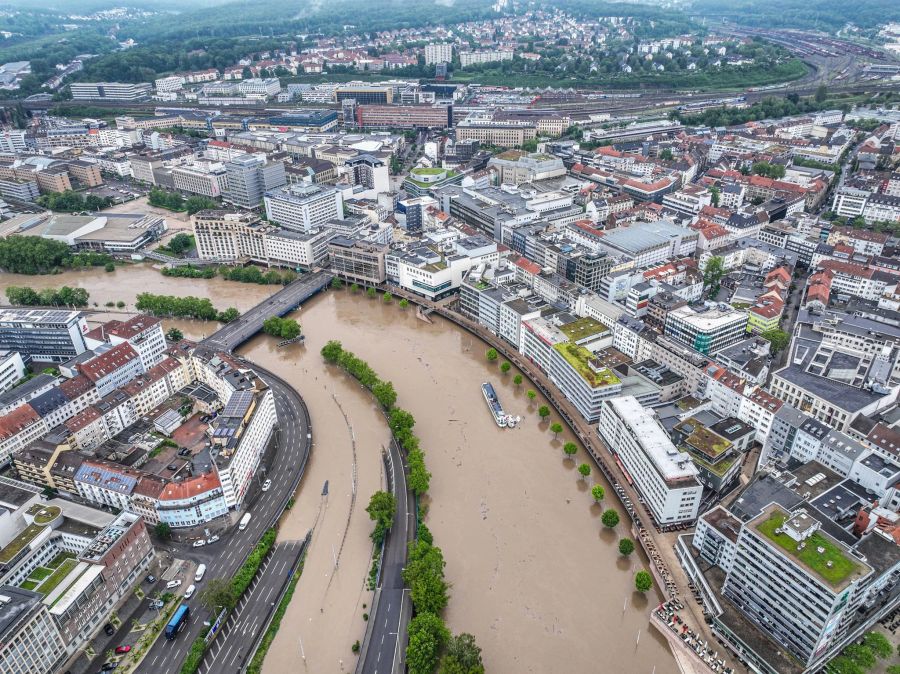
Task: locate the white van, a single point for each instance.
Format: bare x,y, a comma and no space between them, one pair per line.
245,520
200,571
190,591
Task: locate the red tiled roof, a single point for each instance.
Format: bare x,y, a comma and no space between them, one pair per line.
82,419
769,309
107,363
149,485
76,386
18,420
180,491
847,268
528,265
99,333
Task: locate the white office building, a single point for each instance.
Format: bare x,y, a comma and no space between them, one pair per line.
708,330
304,208
665,476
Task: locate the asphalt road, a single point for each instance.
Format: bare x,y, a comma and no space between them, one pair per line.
233,334
294,440
234,646
386,651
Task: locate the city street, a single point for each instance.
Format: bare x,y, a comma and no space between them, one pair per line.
293,444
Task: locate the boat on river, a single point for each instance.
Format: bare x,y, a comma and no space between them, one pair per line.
502,419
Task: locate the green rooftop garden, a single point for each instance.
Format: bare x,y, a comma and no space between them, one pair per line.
704,440
429,172
579,358
70,581
583,328
719,469
44,514
59,559
57,577
19,543
842,566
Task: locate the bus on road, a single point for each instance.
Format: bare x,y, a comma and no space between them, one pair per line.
178,621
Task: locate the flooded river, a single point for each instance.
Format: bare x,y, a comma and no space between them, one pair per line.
535,577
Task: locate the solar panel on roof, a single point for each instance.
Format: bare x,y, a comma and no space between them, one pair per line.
238,404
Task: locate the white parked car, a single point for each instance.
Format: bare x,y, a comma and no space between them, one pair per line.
213,538
172,584
266,485
199,543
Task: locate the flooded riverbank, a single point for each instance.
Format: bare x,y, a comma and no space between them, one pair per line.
535,577
127,281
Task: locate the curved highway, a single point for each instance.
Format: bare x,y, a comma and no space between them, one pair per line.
384,651
293,443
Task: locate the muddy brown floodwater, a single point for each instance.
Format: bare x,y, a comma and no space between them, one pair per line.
535,576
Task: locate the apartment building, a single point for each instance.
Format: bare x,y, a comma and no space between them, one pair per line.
12,369
439,52
240,436
665,476
191,502
468,58
106,571
113,368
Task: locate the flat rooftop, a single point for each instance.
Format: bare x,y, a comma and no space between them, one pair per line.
583,328
672,464
586,365
818,553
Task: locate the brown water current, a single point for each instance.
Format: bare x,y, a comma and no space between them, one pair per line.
535,576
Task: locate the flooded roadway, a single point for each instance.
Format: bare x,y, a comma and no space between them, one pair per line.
535,577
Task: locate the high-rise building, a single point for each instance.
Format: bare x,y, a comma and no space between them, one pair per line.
303,208
44,335
707,330
249,177
369,172
438,53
